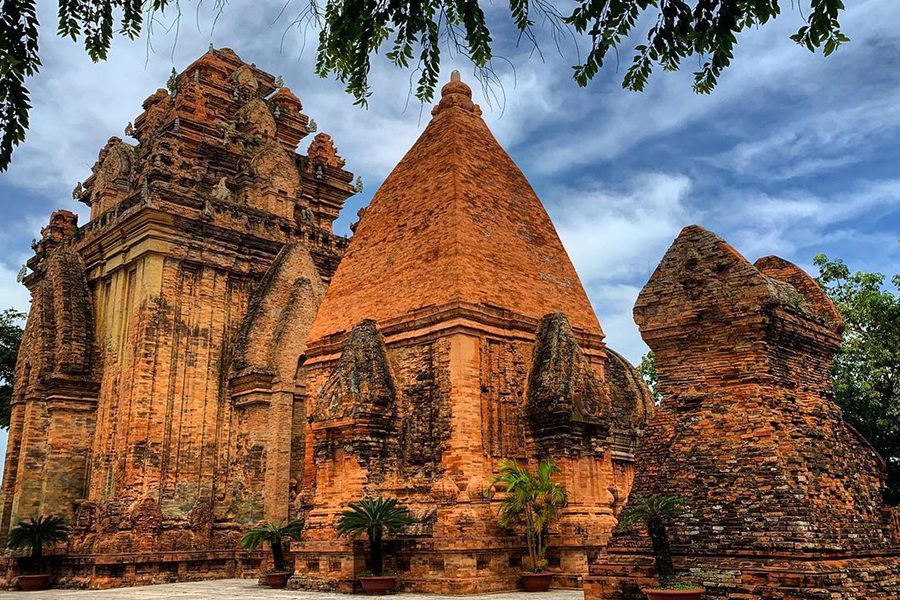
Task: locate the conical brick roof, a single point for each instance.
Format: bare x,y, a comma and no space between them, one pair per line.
455,222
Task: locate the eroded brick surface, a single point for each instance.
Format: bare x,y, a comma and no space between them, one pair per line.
57,380
438,351
472,230
185,373
785,497
155,391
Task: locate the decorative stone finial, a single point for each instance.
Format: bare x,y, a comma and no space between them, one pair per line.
456,93
63,225
322,152
456,86
285,97
221,191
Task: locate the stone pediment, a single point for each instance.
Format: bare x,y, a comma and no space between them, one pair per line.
361,382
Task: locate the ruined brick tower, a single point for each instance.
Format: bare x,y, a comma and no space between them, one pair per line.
155,402
784,498
454,334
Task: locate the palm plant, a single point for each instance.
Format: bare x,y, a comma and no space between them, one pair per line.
375,518
533,499
36,531
274,533
656,513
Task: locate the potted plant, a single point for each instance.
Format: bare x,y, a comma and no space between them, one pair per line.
375,518
534,500
656,513
33,534
274,533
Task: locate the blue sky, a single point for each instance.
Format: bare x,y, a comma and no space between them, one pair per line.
793,154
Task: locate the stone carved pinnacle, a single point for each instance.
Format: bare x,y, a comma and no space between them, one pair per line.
456,93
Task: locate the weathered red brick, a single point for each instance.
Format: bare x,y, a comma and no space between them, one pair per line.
785,497
155,400
444,345
159,403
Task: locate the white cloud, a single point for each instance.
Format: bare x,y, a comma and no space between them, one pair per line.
790,221
818,141
78,105
613,233
796,112
779,112
616,234
615,302
615,237
12,293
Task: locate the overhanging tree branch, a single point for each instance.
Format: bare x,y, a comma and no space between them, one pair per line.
351,31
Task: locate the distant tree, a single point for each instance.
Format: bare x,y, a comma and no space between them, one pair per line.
866,371
412,34
647,369
10,338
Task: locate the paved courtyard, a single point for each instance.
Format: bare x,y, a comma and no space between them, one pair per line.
247,589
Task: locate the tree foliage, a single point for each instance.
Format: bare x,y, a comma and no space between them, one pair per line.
374,518
413,35
655,514
647,369
533,500
273,533
866,371
10,338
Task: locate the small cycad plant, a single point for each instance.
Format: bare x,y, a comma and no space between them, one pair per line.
36,532
274,533
656,514
375,518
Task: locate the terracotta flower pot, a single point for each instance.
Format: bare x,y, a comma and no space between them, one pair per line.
378,585
34,583
536,582
691,594
277,579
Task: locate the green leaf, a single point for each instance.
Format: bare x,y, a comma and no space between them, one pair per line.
866,371
354,30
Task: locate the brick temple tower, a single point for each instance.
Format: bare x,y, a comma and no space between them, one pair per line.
155,404
456,333
784,499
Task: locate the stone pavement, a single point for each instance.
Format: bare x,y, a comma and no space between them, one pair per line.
247,589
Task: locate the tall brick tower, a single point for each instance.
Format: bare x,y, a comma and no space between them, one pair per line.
155,401
454,334
784,498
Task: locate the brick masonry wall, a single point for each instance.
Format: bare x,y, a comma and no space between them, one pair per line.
425,416
52,409
159,403
130,417
433,357
748,433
